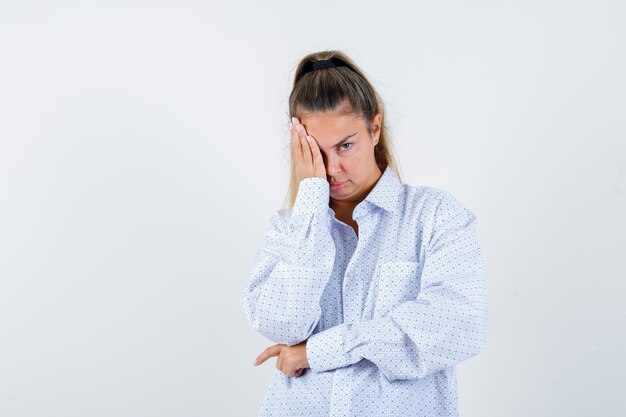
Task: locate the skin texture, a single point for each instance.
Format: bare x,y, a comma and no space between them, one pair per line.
353,162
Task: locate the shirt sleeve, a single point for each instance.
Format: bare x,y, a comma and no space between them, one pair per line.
292,266
444,325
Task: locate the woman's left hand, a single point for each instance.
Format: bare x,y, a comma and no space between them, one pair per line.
291,359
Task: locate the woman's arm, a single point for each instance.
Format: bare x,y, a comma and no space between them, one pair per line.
292,267
443,326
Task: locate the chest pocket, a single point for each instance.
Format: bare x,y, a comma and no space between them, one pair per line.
392,284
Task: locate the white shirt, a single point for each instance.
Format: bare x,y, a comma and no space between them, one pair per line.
387,315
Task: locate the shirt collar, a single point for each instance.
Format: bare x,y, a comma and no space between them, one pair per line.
385,193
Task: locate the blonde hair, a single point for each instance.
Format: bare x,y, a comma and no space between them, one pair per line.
342,88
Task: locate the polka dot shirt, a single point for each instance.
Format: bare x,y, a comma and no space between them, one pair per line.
387,314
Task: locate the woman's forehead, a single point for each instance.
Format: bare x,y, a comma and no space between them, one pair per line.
330,119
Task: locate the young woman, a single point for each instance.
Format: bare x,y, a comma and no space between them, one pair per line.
372,290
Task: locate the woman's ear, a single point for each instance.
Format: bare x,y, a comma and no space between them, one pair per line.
376,123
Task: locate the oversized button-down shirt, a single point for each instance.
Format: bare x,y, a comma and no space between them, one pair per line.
387,314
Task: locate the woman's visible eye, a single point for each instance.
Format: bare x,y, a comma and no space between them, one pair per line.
347,143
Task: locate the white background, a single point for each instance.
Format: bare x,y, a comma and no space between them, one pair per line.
144,145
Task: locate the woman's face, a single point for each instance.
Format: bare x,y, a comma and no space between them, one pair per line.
348,151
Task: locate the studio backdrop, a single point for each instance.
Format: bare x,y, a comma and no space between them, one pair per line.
144,147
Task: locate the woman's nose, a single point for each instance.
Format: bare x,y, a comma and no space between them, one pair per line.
332,167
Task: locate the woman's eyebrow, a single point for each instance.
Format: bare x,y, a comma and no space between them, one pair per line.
345,139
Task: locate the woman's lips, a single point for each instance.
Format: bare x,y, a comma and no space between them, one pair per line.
338,185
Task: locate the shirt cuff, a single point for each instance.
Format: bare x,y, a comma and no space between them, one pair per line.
325,350
313,196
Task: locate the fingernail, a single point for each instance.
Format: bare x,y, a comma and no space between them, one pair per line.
294,120
298,127
308,138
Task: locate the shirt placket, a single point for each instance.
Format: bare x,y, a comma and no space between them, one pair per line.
354,285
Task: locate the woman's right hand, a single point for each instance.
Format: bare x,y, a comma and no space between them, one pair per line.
306,154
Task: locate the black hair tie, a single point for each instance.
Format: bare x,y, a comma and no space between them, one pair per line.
324,63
